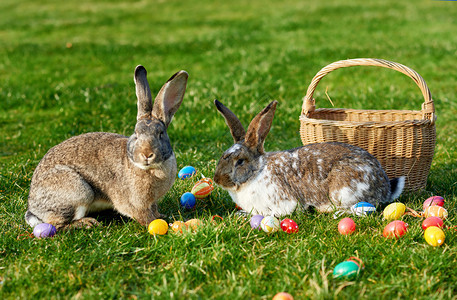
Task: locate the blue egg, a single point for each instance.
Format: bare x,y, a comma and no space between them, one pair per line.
188,200
346,270
363,209
187,172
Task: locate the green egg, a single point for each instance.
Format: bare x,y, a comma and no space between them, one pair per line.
346,270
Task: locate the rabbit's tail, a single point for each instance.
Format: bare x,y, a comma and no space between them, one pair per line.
396,187
31,219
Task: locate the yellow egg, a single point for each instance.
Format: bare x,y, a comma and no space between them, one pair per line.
158,226
434,236
178,226
435,211
394,211
194,223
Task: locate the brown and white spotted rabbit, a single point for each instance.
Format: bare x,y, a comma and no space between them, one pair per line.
327,176
99,170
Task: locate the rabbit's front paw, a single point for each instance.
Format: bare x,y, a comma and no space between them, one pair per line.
86,222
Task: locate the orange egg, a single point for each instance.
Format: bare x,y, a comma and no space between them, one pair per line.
194,223
435,211
178,226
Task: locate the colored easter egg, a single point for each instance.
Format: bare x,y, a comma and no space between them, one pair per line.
178,226
346,226
186,172
270,224
346,270
394,211
289,226
194,223
202,188
434,236
363,209
432,221
283,296
255,221
395,229
158,226
435,200
435,211
44,230
188,200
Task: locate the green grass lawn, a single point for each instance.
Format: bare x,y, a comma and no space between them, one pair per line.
66,68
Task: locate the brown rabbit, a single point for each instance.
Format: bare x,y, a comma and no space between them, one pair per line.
99,170
326,176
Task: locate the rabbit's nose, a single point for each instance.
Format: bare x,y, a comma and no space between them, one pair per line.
148,156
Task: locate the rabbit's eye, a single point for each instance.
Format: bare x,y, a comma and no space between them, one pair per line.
161,135
239,162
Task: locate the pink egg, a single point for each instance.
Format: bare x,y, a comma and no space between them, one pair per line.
289,226
432,221
346,226
435,200
395,229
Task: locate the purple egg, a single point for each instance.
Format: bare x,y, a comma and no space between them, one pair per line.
255,221
44,230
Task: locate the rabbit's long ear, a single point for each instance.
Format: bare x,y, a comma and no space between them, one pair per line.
259,127
233,123
170,97
143,93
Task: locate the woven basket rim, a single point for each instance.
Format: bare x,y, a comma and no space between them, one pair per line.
368,124
371,111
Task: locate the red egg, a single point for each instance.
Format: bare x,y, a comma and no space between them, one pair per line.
435,200
289,226
432,221
346,226
395,229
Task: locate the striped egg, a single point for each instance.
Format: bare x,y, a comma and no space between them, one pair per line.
435,211
203,188
363,209
270,224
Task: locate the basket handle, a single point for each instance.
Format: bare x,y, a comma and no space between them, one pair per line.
428,108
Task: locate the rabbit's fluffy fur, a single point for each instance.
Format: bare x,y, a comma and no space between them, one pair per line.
96,171
326,176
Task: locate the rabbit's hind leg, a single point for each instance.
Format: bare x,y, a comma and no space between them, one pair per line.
61,197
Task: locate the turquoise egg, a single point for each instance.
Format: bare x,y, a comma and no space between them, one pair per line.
346,270
186,172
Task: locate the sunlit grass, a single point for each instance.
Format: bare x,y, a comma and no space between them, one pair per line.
66,68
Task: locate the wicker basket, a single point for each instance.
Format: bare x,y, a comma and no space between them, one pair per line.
402,140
